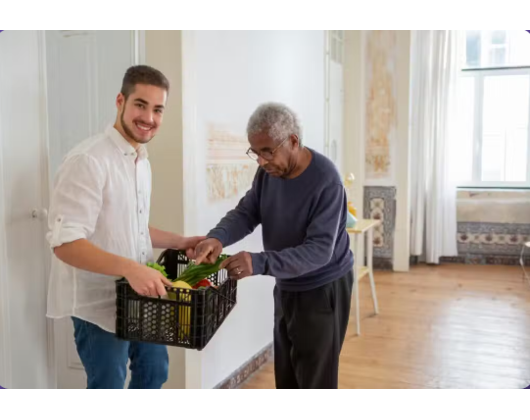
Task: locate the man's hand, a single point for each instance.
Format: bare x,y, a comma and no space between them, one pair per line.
239,266
147,281
168,240
190,243
207,251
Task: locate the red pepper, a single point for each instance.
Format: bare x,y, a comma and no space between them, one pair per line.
203,283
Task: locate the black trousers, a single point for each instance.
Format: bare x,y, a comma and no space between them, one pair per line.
309,330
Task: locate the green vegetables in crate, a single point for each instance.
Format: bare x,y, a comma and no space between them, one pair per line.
194,273
158,267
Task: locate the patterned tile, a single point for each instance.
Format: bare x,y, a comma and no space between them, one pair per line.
492,239
380,203
244,372
478,242
456,260
491,243
383,264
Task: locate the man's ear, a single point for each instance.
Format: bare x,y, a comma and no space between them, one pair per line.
295,141
120,100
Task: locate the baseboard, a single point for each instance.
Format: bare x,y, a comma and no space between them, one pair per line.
240,375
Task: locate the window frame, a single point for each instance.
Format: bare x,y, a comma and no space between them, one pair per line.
479,74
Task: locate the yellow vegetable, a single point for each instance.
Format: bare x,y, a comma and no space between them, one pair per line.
181,284
184,316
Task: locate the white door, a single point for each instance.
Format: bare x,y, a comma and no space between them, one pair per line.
335,97
24,352
84,74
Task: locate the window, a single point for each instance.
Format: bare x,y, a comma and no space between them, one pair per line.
494,109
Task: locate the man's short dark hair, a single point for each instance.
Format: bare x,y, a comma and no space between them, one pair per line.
143,75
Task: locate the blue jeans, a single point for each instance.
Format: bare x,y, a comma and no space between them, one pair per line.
105,359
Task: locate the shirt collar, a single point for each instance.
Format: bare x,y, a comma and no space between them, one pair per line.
124,146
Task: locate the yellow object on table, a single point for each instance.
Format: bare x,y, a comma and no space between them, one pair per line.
352,209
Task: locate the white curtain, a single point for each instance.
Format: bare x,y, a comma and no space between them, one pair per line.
434,78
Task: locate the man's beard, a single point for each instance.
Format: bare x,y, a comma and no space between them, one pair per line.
130,133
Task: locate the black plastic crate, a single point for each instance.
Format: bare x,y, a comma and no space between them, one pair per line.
188,318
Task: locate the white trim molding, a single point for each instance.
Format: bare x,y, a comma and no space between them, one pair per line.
402,232
46,185
5,330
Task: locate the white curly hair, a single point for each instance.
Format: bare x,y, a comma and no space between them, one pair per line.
276,120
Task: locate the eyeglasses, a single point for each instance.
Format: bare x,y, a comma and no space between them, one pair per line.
264,155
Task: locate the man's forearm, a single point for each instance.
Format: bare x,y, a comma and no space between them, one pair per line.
238,223
84,255
165,240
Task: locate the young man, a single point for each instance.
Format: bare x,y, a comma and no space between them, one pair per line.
99,232
298,197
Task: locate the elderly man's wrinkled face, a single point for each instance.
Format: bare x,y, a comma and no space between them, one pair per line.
278,159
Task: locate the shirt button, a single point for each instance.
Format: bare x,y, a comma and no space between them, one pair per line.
140,211
141,233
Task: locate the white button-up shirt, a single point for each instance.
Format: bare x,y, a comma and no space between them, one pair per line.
102,193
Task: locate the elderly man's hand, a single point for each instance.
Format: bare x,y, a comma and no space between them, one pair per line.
239,266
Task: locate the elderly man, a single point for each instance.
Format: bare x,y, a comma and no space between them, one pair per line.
298,197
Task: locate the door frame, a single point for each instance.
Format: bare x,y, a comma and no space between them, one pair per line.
46,186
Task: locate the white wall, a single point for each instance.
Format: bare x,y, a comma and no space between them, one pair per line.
354,120
163,51
354,145
226,74
402,233
493,206
5,348
382,56
23,326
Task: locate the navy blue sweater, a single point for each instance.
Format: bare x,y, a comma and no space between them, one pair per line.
304,226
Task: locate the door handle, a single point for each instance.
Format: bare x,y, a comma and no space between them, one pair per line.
41,214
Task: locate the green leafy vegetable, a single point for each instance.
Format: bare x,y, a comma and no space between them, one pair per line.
158,267
195,273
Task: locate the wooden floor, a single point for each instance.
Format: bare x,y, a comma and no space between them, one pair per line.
453,326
